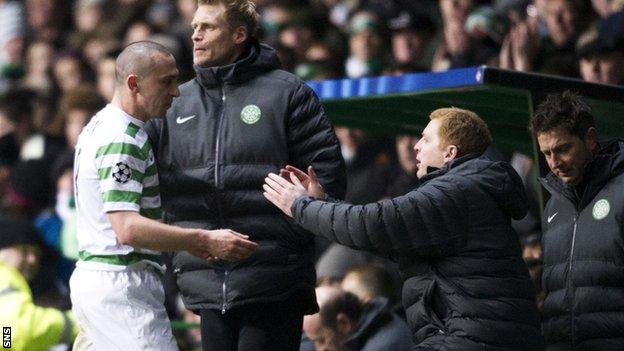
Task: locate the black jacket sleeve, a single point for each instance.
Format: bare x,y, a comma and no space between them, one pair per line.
430,221
311,141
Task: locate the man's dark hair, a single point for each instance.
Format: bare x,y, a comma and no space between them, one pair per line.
344,302
567,111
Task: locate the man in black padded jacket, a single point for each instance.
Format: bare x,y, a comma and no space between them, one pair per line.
240,118
583,228
466,286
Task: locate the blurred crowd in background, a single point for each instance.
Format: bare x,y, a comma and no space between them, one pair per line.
57,67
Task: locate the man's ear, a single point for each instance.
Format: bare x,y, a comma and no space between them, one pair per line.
240,35
591,139
132,82
343,324
450,153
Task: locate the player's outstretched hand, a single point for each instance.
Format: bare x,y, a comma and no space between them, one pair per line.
283,193
223,244
309,181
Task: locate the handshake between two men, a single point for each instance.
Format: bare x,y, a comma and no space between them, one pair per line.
282,190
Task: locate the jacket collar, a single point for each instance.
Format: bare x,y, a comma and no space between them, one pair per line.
433,172
375,314
256,59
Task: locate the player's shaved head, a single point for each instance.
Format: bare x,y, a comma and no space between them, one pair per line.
139,59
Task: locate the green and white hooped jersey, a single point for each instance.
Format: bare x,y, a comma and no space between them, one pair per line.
114,170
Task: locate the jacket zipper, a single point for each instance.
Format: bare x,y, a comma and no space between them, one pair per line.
216,177
570,285
224,290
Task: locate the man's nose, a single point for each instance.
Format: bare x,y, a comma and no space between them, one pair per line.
554,161
417,146
195,36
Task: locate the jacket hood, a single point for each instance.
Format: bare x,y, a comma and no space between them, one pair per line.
498,179
608,163
257,59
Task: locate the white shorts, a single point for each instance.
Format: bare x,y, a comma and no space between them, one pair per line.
120,310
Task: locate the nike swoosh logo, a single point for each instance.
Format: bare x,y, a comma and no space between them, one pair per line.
181,120
550,218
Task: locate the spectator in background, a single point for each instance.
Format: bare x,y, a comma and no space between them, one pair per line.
17,112
38,66
65,208
514,10
371,281
33,328
312,338
406,179
411,37
88,16
137,31
68,70
46,19
9,150
298,32
30,192
365,45
368,164
601,59
456,47
11,42
524,50
604,8
15,123
35,143
583,228
320,62
346,323
29,196
97,48
105,80
76,108
533,256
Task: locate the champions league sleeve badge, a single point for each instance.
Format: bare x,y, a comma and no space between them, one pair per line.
122,172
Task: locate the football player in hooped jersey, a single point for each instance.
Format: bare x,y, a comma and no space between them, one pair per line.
116,290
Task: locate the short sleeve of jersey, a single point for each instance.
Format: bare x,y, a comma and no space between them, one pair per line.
121,166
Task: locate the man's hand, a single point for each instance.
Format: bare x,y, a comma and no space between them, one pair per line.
283,193
224,244
309,181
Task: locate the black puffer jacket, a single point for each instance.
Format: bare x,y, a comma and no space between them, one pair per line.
229,128
466,286
583,244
